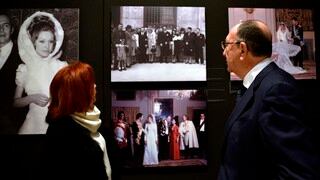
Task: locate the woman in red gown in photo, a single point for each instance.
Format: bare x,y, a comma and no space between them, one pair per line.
174,141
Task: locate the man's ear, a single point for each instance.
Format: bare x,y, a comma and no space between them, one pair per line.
243,48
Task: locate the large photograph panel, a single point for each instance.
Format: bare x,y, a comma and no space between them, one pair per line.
158,43
159,128
34,45
293,44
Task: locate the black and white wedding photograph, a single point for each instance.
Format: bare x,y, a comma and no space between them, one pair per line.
34,45
158,43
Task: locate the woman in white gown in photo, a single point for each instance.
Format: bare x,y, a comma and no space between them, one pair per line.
150,156
39,41
283,50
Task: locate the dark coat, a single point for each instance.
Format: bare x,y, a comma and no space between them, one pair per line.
72,153
143,40
178,45
265,134
188,40
9,119
199,41
298,36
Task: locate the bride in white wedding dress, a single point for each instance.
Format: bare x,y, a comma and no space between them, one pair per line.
283,50
39,41
151,142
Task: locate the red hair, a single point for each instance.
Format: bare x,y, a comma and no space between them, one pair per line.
72,90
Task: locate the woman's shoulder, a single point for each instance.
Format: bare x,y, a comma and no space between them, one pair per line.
21,74
65,126
62,63
22,68
59,125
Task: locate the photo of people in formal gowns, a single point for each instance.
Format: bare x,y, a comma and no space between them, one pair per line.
32,50
175,140
150,156
159,128
293,37
158,43
189,139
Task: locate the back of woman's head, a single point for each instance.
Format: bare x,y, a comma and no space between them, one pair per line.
72,90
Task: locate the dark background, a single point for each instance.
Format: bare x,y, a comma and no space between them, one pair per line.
21,155
69,22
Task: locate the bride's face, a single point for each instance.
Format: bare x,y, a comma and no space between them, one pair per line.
44,43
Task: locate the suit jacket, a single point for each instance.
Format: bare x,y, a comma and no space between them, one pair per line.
298,35
199,126
7,76
143,42
72,153
188,40
265,135
7,90
199,41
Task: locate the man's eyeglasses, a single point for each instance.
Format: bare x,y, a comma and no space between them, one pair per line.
224,44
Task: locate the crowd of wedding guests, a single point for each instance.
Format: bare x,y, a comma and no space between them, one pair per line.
156,44
149,141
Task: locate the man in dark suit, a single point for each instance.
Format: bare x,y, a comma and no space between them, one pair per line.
9,61
297,36
265,136
199,44
164,38
118,40
202,135
188,41
143,44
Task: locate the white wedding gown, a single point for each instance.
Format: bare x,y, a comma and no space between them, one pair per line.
281,53
36,74
150,156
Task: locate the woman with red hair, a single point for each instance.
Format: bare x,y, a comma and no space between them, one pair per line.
76,148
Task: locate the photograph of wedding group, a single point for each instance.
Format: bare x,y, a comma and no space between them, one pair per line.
158,43
293,37
159,128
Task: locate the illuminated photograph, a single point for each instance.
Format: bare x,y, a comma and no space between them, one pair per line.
34,45
158,43
293,37
159,128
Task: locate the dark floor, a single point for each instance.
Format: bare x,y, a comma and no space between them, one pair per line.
181,162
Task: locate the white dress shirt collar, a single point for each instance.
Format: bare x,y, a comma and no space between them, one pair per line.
252,74
202,129
5,52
